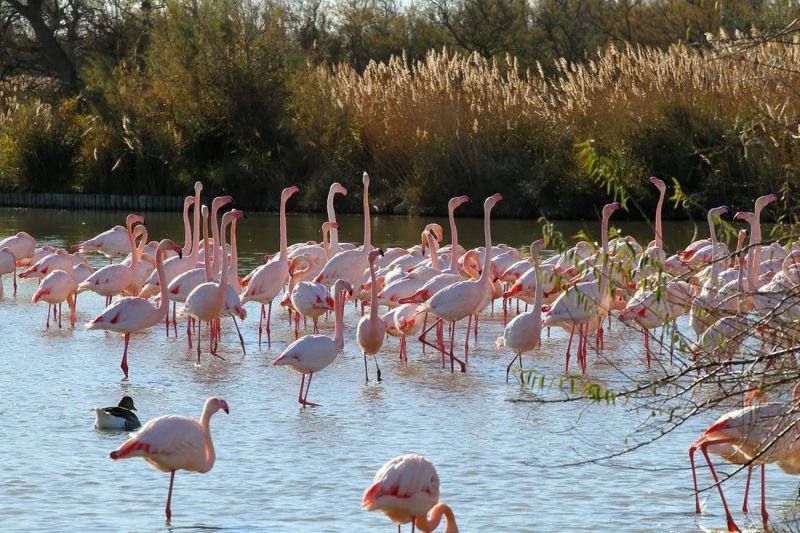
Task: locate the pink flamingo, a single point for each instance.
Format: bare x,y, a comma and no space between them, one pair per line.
371,329
403,321
754,253
110,243
8,265
58,286
58,260
585,304
268,280
313,353
350,265
145,263
173,442
22,245
406,489
207,301
133,313
112,280
335,189
524,332
756,434
464,298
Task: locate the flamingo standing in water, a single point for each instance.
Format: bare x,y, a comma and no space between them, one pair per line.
56,288
312,353
207,301
350,265
524,332
754,253
174,442
268,280
464,298
115,279
22,245
585,304
110,243
335,189
133,313
406,489
371,329
8,265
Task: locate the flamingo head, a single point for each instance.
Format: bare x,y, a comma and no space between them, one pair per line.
764,201
198,187
609,209
436,230
337,188
658,183
457,201
221,201
717,211
130,220
536,247
233,214
215,404
365,179
327,226
288,192
745,216
374,254
491,201
167,245
342,286
188,202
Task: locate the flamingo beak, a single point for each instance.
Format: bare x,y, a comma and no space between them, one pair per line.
224,406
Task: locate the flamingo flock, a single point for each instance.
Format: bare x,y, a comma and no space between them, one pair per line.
430,292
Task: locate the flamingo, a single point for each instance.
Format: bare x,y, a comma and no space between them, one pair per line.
134,313
652,260
585,304
174,442
704,306
350,265
58,286
756,434
110,243
22,245
207,301
406,489
268,280
464,298
8,265
114,279
145,263
402,321
335,189
58,260
524,332
313,353
754,253
371,329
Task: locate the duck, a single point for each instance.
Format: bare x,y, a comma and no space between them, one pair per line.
121,416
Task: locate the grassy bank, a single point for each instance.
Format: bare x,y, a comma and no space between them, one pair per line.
230,107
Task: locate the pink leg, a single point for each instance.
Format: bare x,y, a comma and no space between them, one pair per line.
728,517
505,311
260,325
168,511
296,326
453,358
188,331
199,324
425,327
174,321
166,323
747,488
59,316
269,330
646,335
124,364
569,345
694,481
764,514
424,341
466,339
47,325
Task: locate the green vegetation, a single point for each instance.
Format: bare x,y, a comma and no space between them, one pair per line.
548,105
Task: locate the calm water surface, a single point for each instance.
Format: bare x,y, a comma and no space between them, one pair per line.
282,468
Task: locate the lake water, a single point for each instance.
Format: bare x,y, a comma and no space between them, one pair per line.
283,468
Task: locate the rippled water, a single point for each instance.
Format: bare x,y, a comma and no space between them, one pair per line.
283,468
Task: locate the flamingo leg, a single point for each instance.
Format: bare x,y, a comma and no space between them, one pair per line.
316,325
764,514
508,368
377,368
476,327
47,325
366,371
296,325
505,311
466,339
306,403
188,331
174,320
747,488
239,332
424,341
269,329
124,364
199,324
166,323
453,358
425,327
569,345
59,316
728,517
260,325
168,510
646,334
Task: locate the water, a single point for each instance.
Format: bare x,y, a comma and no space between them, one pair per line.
282,468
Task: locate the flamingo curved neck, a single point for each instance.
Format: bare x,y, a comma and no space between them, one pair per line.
712,230
215,233
195,255
223,280
373,302
187,231
605,259
334,233
233,267
433,246
284,245
431,522
487,252
211,455
163,304
659,230
367,224
454,255
134,254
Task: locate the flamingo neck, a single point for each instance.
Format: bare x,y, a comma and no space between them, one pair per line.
755,240
214,266
338,310
140,247
163,304
367,224
487,252
134,254
373,302
284,245
196,229
187,232
454,255
431,522
223,279
233,267
334,246
433,246
712,230
659,230
326,246
606,299
207,264
205,421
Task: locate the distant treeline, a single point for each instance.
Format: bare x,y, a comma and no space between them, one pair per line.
557,104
